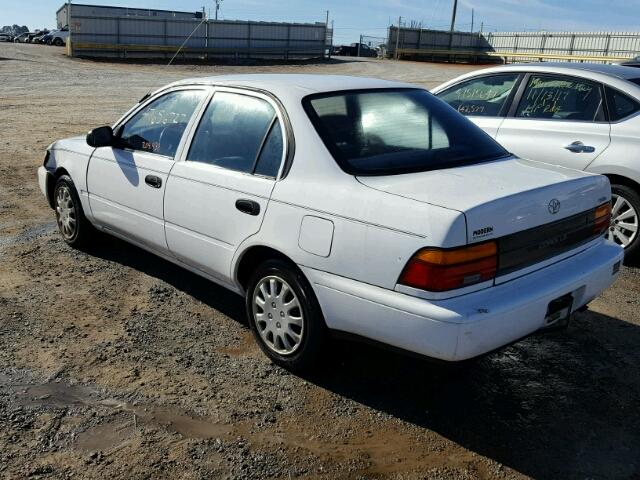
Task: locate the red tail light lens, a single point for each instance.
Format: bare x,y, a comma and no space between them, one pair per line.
602,218
438,270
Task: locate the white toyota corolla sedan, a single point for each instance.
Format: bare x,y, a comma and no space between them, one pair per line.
583,116
342,205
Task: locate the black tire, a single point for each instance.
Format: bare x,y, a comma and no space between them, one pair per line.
58,42
314,333
632,252
74,227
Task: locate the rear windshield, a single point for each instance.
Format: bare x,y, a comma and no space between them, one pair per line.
381,132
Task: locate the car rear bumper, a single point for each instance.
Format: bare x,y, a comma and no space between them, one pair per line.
470,325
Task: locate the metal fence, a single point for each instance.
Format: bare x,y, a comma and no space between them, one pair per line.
565,45
149,37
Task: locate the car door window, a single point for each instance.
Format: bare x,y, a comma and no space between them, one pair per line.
483,96
620,105
233,131
559,97
158,127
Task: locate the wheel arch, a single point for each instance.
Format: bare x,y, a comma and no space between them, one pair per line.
51,182
622,180
254,256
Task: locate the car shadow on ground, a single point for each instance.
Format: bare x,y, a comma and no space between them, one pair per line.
556,405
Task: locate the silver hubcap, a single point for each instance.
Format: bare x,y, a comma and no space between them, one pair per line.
278,315
624,222
66,212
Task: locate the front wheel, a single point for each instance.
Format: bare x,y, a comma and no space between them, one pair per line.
625,221
74,227
58,42
284,315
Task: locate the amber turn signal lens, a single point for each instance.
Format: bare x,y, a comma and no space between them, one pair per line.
602,218
438,270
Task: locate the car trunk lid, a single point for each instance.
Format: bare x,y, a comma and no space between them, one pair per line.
536,210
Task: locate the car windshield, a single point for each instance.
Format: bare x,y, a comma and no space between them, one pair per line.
390,131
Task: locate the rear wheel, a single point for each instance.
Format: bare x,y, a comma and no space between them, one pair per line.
58,42
284,315
72,224
624,226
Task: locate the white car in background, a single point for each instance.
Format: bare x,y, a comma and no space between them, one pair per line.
59,37
582,116
341,204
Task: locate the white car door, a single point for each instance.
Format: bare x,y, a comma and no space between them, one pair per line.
126,182
217,195
559,119
483,99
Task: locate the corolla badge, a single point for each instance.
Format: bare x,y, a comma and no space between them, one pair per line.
554,206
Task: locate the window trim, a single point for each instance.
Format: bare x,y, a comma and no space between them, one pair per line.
525,83
146,101
608,110
506,106
279,116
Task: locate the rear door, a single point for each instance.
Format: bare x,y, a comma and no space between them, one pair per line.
217,195
126,183
484,100
557,119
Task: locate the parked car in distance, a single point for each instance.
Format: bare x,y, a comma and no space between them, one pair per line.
58,38
37,38
22,38
355,50
5,37
33,35
582,116
341,205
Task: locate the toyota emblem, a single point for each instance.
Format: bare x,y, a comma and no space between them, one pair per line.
554,206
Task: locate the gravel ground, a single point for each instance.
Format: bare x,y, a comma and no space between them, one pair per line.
116,364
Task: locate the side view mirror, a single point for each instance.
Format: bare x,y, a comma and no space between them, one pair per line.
100,137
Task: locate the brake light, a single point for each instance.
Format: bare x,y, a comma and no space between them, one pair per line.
437,270
602,218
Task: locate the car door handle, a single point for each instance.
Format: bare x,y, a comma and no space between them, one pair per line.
153,181
579,147
248,206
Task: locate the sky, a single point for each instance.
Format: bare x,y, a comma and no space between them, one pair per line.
372,17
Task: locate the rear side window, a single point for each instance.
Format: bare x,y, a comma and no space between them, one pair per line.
483,97
232,133
389,131
559,97
620,105
271,154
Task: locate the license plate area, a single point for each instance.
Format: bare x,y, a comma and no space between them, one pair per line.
559,312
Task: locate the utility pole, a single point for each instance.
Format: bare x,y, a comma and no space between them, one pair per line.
398,37
472,12
69,46
218,2
453,23
453,15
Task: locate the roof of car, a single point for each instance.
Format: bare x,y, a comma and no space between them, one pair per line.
618,71
302,84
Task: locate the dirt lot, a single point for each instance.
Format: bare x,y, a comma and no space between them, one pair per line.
115,364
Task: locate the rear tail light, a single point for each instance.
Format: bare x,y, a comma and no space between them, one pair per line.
437,270
602,218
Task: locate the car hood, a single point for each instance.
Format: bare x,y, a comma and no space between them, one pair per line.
503,196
